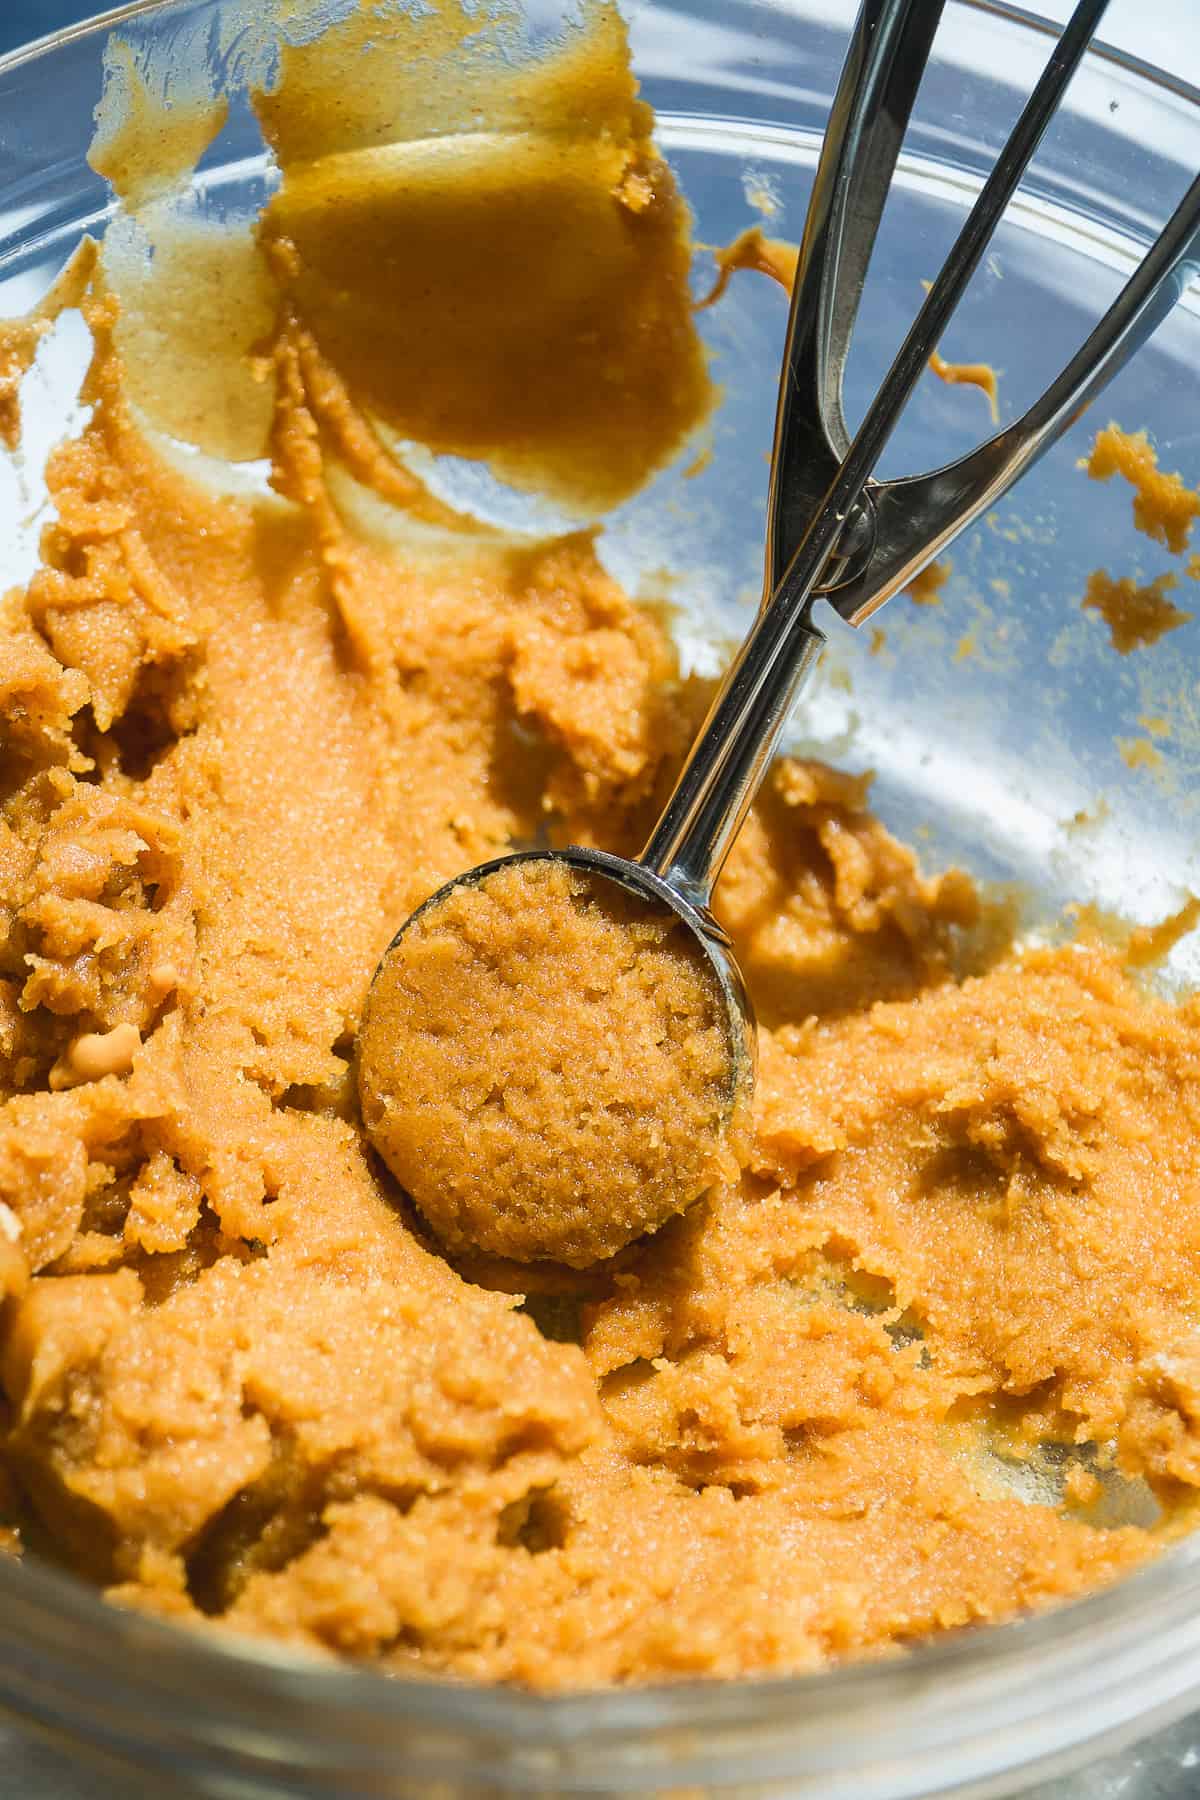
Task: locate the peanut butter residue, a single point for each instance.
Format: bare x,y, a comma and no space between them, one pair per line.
977,374
147,143
1139,753
775,257
493,254
925,589
19,338
245,735
752,249
545,1066
1163,506
961,374
1149,944
1135,616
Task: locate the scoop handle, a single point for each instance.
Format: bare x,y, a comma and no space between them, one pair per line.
813,488
688,846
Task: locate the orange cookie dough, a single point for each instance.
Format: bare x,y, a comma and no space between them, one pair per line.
545,1068
1163,506
1135,615
926,1357
978,375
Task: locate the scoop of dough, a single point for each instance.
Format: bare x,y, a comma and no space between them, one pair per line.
544,1066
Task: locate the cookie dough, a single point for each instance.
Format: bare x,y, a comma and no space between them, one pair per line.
1164,507
1136,614
926,1358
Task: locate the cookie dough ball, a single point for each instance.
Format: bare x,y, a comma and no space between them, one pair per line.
544,1065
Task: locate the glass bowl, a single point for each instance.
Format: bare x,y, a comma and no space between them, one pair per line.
1005,734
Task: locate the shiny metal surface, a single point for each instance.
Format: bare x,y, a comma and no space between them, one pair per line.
868,540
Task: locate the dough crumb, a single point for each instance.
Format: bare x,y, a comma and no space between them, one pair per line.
1135,616
753,249
1139,753
925,589
1163,506
97,1054
979,375
1149,944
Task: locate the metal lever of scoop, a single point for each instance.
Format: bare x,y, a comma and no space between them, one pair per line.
886,58
915,517
735,744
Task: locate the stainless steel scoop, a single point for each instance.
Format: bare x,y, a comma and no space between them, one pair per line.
834,533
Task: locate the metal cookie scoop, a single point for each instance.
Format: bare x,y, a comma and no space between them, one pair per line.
833,533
